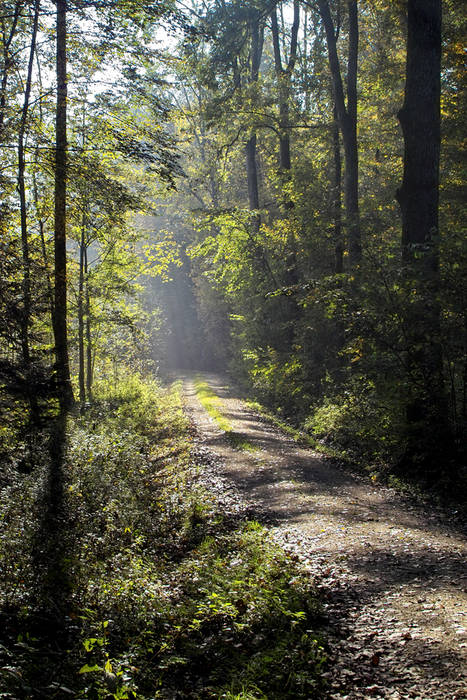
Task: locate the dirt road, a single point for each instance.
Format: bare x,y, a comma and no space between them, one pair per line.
393,578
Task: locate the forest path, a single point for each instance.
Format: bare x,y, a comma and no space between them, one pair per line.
393,578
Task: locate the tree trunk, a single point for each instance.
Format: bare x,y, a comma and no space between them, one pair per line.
87,297
337,198
418,198
250,149
81,376
347,118
351,149
40,215
26,316
252,180
60,307
284,76
420,121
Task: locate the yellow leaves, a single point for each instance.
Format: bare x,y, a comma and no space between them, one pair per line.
73,488
356,350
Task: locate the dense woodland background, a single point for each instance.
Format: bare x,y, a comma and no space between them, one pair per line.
273,189
220,181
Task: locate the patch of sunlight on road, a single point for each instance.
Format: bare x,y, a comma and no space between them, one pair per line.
212,405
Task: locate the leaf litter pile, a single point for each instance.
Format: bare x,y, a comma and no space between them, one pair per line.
391,574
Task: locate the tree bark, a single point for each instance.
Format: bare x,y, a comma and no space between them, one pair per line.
347,118
284,77
87,298
420,121
81,376
337,198
26,260
252,173
418,198
26,316
250,149
60,306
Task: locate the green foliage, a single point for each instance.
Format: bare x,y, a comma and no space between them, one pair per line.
166,593
276,298
138,405
162,257
360,425
277,379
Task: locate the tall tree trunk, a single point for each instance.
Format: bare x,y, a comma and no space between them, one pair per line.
347,117
60,307
284,77
26,316
40,215
256,50
337,198
252,180
81,376
420,121
418,198
250,149
87,298
351,149
82,256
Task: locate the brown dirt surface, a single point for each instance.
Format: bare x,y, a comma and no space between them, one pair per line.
392,575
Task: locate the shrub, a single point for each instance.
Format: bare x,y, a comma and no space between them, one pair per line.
360,422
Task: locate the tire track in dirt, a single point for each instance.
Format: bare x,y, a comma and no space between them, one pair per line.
392,576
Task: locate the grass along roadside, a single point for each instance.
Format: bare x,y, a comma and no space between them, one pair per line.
377,473
298,435
212,405
171,593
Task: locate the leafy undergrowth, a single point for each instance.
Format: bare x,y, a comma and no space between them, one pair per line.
137,583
